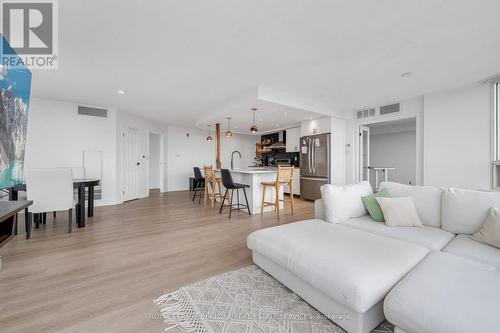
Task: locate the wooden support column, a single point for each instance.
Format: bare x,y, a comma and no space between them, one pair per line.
217,146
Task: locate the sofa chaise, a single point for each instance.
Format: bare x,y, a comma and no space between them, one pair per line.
359,272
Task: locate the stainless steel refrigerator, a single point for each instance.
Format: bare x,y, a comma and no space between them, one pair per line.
314,165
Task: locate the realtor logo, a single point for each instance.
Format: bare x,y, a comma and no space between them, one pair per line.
30,27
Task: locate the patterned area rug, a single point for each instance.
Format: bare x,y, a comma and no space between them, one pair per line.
245,300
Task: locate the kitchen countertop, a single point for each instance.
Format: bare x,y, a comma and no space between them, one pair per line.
256,170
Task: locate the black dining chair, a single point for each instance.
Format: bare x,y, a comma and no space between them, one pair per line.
228,183
199,184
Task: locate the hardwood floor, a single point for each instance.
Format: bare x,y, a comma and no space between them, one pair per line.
104,277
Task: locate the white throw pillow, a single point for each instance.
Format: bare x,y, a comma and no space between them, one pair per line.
399,212
344,202
490,231
427,200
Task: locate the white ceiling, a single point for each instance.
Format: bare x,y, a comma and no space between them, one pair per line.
269,117
179,60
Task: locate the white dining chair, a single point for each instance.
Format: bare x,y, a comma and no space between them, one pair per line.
50,190
78,172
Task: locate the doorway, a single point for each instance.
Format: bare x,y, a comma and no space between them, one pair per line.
155,165
388,150
132,168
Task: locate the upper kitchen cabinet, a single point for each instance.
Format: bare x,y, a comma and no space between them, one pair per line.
316,126
293,140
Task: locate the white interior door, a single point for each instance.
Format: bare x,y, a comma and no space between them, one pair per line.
131,164
364,153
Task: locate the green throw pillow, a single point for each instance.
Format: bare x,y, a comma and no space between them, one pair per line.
372,205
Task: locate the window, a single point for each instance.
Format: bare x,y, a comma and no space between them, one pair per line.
496,137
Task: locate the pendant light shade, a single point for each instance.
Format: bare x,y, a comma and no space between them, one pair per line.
228,132
254,128
209,137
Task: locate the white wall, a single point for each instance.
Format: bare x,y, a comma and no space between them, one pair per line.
57,137
184,152
396,150
410,108
453,136
245,144
154,161
338,151
187,147
457,137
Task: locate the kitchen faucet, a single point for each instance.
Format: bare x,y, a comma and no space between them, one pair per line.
232,155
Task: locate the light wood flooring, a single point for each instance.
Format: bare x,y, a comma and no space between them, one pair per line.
104,277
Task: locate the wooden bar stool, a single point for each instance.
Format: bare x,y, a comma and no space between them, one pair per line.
215,185
284,177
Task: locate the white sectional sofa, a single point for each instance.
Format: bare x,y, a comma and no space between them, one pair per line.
428,276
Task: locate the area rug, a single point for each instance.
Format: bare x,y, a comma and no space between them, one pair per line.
244,300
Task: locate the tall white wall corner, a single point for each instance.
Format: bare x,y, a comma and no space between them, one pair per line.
338,151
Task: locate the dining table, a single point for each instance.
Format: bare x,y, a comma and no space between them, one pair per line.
78,183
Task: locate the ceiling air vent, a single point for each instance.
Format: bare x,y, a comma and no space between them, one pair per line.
93,112
387,109
365,113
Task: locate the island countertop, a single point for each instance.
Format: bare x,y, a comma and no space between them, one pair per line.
256,170
253,178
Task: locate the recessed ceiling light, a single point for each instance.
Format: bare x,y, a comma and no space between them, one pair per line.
121,92
406,74
277,125
285,113
260,119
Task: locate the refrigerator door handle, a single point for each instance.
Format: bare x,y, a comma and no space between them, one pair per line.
309,155
328,172
314,155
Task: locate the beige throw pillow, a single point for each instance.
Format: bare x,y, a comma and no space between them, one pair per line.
399,212
490,231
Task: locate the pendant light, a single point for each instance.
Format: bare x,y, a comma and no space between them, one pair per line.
228,132
209,137
254,129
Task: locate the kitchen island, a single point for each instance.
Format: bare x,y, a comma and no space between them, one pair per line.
253,177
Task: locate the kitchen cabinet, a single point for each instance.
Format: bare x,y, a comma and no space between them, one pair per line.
316,126
296,182
293,140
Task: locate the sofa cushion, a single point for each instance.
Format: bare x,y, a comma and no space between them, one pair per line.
490,231
465,246
464,211
319,210
427,200
446,293
372,206
432,238
344,202
353,267
399,212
